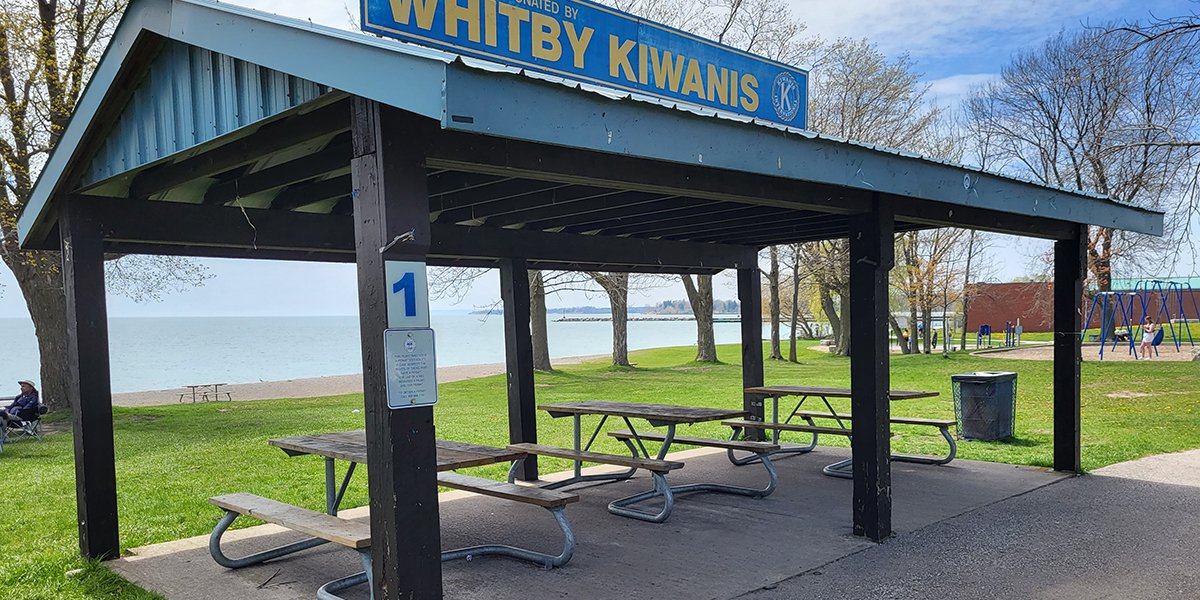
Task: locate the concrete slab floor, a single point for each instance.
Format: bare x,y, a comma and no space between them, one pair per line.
713,546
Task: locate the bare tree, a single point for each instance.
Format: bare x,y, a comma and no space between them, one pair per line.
1100,111
796,310
538,324
773,302
928,269
860,94
826,265
616,287
47,54
700,296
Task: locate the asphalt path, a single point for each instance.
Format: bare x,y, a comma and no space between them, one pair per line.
1129,531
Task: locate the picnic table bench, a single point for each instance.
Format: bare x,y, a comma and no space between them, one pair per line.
658,415
329,528
841,468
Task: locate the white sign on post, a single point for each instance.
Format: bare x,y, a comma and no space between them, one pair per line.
411,367
408,342
407,294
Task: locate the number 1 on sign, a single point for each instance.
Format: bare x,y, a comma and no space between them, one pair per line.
407,292
407,284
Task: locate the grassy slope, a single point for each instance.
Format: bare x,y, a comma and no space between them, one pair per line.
171,458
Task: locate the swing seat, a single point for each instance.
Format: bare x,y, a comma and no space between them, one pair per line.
1158,337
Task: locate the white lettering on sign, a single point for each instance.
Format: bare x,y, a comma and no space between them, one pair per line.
411,363
407,294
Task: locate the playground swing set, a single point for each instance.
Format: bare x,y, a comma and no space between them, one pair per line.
1124,306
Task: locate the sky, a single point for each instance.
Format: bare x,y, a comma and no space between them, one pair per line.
957,44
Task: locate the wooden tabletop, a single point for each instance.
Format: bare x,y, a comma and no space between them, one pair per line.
655,413
352,446
828,392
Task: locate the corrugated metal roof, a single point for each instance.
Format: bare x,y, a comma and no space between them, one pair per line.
610,93
190,96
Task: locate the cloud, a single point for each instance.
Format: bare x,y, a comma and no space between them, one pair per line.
950,91
949,27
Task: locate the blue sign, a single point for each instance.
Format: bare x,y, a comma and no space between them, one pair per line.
585,41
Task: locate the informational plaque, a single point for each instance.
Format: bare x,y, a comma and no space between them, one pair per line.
411,367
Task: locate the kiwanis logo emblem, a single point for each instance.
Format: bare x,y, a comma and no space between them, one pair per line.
785,96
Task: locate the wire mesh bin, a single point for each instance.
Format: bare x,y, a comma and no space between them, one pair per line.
985,404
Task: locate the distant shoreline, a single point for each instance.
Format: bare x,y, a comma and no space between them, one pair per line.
316,387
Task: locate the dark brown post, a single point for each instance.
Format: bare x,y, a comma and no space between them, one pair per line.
750,297
871,257
518,352
391,222
1070,269
88,383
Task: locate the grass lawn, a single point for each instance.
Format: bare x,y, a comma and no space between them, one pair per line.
171,458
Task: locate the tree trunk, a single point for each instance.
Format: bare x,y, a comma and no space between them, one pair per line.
899,333
537,315
913,346
966,296
927,329
795,311
945,321
700,296
844,346
1100,257
618,299
773,288
831,314
42,287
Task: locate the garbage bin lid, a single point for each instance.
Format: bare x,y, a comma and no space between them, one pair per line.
984,376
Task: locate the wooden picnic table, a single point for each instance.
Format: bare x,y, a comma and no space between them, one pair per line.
658,415
351,446
203,390
775,392
841,468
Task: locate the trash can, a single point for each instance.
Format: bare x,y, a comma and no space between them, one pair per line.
985,404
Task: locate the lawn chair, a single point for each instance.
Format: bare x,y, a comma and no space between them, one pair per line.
29,427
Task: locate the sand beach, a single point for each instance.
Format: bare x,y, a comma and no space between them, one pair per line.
315,387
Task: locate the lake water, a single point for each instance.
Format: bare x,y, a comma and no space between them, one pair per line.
162,353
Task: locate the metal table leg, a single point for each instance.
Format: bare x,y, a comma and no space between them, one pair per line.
625,506
775,435
334,495
578,476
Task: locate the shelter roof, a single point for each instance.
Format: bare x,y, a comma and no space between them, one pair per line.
205,103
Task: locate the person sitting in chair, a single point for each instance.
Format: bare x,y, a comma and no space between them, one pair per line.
24,407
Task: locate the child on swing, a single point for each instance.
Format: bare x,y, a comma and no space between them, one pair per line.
1149,329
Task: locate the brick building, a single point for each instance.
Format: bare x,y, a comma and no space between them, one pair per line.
996,303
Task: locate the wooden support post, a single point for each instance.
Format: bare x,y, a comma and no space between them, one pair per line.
1070,269
871,257
390,205
518,352
88,385
750,298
